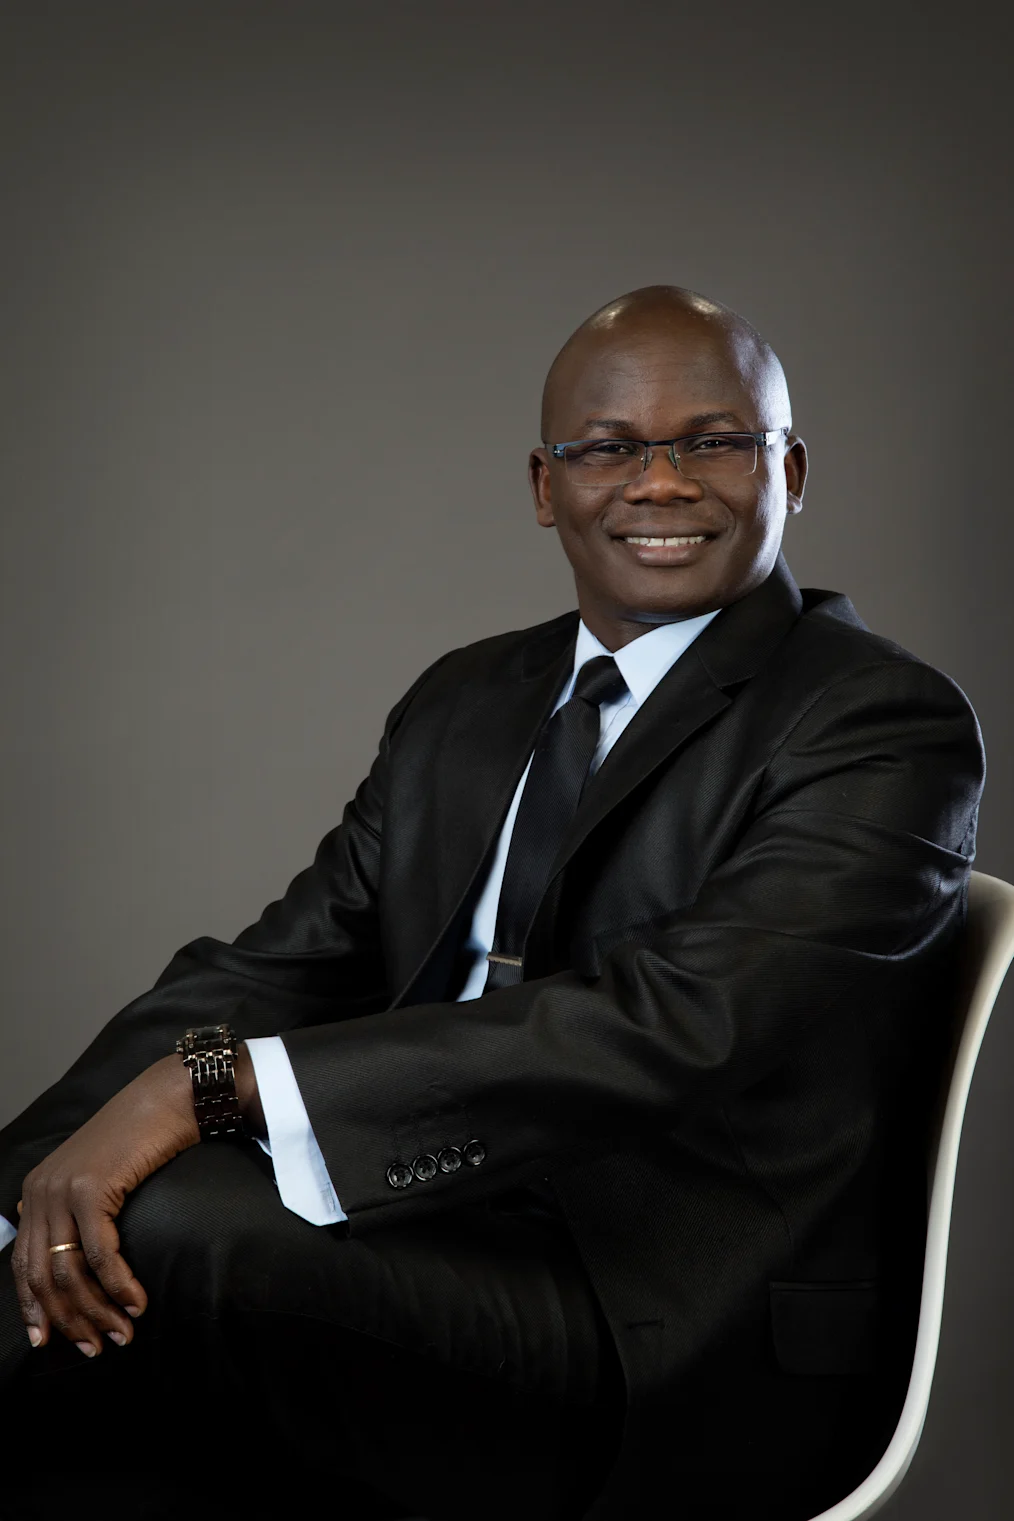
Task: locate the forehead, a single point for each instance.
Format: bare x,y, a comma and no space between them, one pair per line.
659,383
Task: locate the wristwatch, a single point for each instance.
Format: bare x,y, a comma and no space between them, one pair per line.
210,1053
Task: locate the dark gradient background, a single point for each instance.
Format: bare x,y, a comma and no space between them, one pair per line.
280,284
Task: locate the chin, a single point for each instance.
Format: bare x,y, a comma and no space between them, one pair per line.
686,601
669,611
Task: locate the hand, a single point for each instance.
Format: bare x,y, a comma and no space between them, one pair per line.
76,1193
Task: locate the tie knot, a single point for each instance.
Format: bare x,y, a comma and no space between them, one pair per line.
599,680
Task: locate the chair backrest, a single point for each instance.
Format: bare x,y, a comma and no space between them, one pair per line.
988,952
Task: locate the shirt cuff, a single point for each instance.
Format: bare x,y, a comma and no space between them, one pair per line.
300,1171
7,1232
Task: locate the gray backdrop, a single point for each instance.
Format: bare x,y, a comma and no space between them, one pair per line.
280,285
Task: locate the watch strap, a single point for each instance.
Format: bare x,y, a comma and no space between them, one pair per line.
209,1053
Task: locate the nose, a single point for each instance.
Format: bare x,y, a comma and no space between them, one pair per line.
661,482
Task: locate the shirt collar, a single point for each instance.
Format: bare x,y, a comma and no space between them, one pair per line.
644,661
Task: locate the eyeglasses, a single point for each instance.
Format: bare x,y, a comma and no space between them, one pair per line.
697,456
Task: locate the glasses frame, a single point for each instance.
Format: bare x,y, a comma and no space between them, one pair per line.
762,440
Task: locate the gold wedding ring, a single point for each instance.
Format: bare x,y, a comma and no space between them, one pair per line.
67,1246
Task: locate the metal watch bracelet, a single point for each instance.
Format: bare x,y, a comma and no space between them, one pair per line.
209,1052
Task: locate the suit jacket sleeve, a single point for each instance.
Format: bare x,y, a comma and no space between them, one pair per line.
852,869
313,955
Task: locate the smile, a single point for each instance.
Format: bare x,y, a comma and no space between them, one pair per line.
697,538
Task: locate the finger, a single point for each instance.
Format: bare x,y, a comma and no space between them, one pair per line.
87,1310
36,1320
101,1241
95,1213
88,1314
34,1316
55,1286
42,1287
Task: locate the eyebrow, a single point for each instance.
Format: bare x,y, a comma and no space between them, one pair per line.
622,428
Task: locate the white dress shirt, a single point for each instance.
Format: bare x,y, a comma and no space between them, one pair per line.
300,1172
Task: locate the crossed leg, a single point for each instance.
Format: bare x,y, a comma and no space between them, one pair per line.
449,1368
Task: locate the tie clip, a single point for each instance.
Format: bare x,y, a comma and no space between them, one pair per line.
507,960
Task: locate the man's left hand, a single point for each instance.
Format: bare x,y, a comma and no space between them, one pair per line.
75,1194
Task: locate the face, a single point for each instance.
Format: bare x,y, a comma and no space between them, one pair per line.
664,384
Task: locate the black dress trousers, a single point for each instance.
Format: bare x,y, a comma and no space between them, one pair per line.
459,1368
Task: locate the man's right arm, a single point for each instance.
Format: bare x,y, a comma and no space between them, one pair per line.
314,956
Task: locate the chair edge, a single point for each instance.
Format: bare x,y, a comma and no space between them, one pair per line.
882,1482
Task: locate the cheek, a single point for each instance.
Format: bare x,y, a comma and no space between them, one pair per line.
578,531
763,517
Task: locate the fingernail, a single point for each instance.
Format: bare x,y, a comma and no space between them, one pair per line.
118,1337
132,1309
35,1336
85,1347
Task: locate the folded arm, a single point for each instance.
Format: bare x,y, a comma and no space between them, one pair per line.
125,1108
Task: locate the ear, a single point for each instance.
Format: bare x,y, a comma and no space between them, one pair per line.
542,491
795,473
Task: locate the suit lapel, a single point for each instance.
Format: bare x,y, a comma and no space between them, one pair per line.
498,714
733,647
685,700
484,750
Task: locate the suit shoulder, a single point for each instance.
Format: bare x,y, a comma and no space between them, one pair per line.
834,643
487,654
830,668
483,658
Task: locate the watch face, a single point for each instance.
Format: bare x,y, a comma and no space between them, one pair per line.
208,1035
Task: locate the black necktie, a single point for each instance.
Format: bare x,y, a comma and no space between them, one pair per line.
559,770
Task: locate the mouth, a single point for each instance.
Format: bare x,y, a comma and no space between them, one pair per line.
688,538
667,549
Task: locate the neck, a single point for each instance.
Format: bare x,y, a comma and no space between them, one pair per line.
621,629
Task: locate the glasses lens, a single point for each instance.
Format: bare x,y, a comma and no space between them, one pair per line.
604,461
717,456
702,456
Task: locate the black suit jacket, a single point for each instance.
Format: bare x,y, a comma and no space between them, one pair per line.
725,1044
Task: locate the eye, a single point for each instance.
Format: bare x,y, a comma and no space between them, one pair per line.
610,448
716,443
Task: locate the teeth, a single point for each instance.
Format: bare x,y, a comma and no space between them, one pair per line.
697,538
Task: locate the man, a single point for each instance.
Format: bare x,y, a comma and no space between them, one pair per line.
610,1019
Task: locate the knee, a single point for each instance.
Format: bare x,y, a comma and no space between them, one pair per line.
186,1226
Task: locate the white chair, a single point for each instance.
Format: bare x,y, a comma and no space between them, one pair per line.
989,950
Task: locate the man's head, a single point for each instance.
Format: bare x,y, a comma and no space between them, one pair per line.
664,363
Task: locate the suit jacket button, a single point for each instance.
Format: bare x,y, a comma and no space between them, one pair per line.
449,1159
474,1153
399,1175
425,1168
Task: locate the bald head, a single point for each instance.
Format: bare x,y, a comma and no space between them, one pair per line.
711,345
